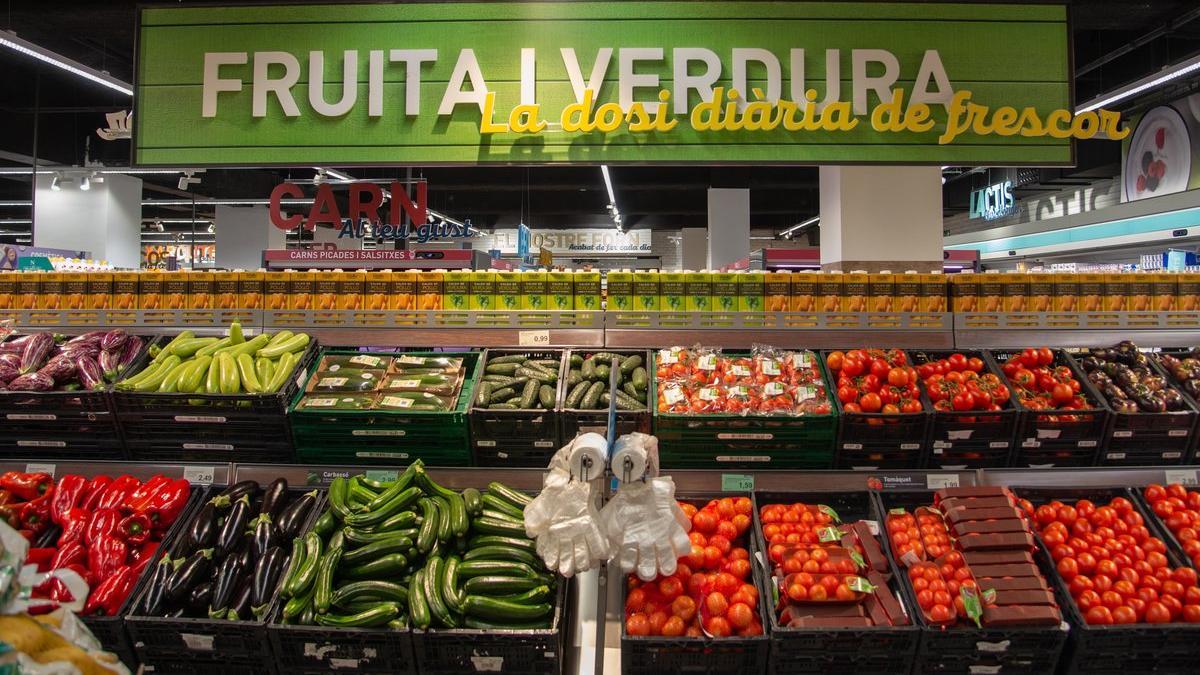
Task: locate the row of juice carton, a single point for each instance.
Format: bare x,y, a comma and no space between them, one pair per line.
1074,292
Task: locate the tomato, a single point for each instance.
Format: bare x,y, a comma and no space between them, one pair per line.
638,625
975,364
635,600
657,621
940,614
1154,493
890,409
670,588
880,368
718,626
897,377
705,522
1045,356
963,401
740,615
715,604
1191,613
1156,612
852,367
870,403
957,362
1185,576
910,405
1123,614
674,627
1099,615
835,360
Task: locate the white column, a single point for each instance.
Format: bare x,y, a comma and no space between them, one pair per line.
728,226
881,217
105,220
243,233
693,248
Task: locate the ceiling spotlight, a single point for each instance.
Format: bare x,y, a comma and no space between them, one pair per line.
56,183
85,182
188,178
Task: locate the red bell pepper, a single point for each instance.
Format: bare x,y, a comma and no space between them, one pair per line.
70,554
53,589
107,598
6,497
67,495
135,528
74,526
41,557
35,515
95,488
138,500
101,523
168,501
106,555
27,486
114,494
28,534
143,552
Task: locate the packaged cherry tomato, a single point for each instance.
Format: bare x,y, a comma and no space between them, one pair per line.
804,587
821,559
905,537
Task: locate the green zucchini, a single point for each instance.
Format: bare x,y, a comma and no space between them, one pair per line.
500,568
339,490
498,585
449,584
294,565
323,596
459,521
445,530
514,497
357,537
374,590
502,553
482,624
418,608
428,532
383,567
494,503
522,542
533,595
502,610
591,400
504,528
502,515
472,500
433,593
298,603
376,549
375,616
307,572
326,524
398,503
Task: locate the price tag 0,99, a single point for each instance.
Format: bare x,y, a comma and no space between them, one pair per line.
533,338
198,475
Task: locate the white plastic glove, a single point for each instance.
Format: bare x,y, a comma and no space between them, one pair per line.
563,520
646,530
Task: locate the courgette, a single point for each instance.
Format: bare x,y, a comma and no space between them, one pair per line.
501,515
502,610
502,553
472,500
504,528
433,593
498,585
357,537
445,531
429,525
514,497
383,567
449,584
418,608
323,596
375,616
482,624
500,568
398,503
372,590
522,542
491,501
376,549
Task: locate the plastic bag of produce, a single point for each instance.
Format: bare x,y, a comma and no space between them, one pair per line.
343,402
346,379
439,384
406,362
364,361
413,400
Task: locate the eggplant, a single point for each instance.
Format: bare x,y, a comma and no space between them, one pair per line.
32,382
202,531
36,351
240,607
1174,400
108,364
1150,403
1099,378
113,339
60,369
1089,363
11,359
266,536
1124,406
234,492
129,352
229,574
152,602
292,518
191,572
8,372
245,551
89,372
274,497
200,596
266,577
16,345
231,531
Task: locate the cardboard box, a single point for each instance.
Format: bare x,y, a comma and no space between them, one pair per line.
620,291
750,291
533,290
50,294
1163,291
29,285
1040,292
1016,292
377,290
350,290
881,292
647,293
908,293
672,291
1116,292
1066,293
1139,292
225,290
250,289
150,290
508,290
175,290
991,292
934,293
403,294
698,291
802,291
126,287
276,289
856,289
1187,298
777,291
325,291
830,287
100,290
587,291
483,290
74,291
964,292
301,290
560,290
430,290
725,291
456,290
8,289
1091,292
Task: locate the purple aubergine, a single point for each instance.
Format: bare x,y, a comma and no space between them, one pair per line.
90,375
32,382
86,337
109,362
36,351
113,339
133,347
15,345
61,369
8,372
13,360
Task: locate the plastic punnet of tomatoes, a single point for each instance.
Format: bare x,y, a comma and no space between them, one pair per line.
1062,422
1122,579
767,382
883,421
1177,509
974,421
708,612
1153,422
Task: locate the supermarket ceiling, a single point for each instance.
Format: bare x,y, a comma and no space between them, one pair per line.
1115,41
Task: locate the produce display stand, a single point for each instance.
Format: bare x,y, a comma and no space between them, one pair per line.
517,437
577,421
877,441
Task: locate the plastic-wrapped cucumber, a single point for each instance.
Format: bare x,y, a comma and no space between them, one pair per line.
316,402
447,364
347,379
356,362
413,400
442,385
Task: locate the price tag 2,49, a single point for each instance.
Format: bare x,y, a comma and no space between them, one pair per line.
533,338
198,475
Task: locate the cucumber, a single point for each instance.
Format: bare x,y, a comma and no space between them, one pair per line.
630,363
503,553
503,528
495,378
418,608
576,395
546,396
591,400
502,610
503,406
628,388
472,499
498,585
606,357
537,375
640,378
576,360
588,371
508,358
502,395
484,393
521,543
529,394
494,503
602,373
574,377
514,497
500,568
548,364
502,368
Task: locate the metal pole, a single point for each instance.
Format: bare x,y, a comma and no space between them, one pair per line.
37,113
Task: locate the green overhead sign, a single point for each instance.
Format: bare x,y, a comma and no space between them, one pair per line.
607,82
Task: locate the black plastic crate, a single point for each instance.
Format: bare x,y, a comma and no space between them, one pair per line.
319,649
1044,440
575,421
1159,528
655,655
523,652
1146,439
1156,357
878,441
969,439
881,650
517,437
1129,648
964,649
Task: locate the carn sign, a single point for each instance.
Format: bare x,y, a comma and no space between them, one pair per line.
590,82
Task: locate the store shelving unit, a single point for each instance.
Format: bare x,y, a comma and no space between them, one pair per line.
1023,329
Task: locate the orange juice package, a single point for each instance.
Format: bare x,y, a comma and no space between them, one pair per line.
275,290
429,290
1066,292
225,290
350,290
1091,292
856,289
75,289
934,293
991,292
908,291
126,289
777,291
51,290
803,291
325,290
1041,292
964,292
301,286
1187,297
8,290
175,290
830,287
404,291
1116,293
100,289
377,290
250,289
1163,291
1016,292
150,290
881,292
1139,292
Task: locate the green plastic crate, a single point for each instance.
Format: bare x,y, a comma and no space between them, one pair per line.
744,441
386,437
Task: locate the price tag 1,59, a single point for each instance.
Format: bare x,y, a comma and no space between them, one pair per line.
533,338
198,475
937,481
1181,476
737,482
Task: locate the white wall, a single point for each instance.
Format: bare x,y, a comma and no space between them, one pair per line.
105,220
693,248
728,226
242,234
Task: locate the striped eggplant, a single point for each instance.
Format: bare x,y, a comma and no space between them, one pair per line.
110,361
90,375
16,345
11,359
113,339
93,336
32,382
36,351
130,351
60,369
8,372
